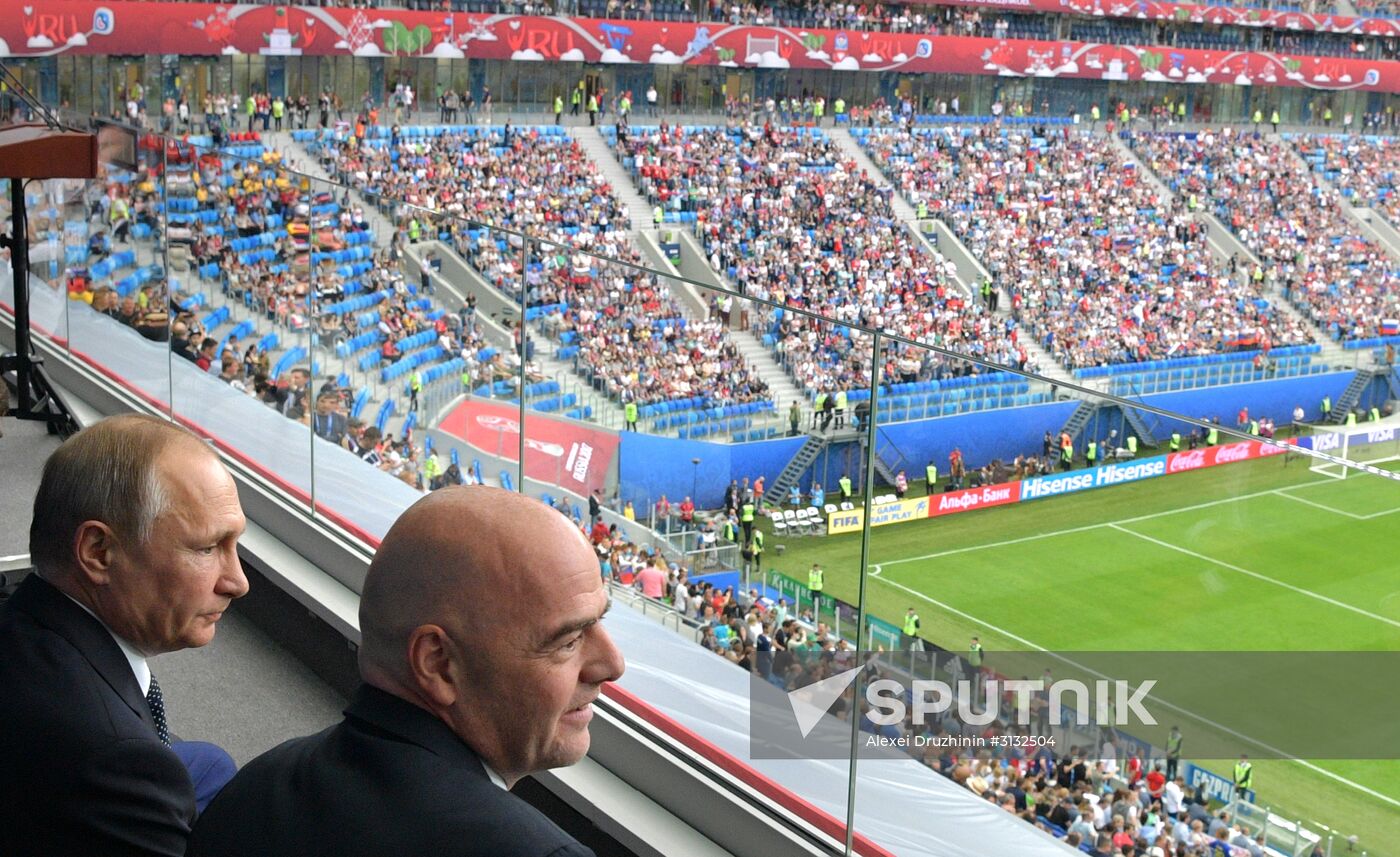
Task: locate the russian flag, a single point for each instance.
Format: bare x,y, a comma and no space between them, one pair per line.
1390,326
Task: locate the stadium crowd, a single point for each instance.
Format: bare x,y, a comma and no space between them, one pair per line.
634,340
1290,219
1100,797
1096,264
263,205
789,218
1363,169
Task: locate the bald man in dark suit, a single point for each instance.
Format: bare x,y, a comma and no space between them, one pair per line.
482,651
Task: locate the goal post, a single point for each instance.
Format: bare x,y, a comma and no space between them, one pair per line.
1362,447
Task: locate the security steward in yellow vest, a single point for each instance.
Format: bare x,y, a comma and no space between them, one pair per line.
931,477
1244,776
746,515
755,550
911,631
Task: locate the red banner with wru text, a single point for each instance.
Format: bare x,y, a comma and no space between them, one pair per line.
557,451
42,29
1193,13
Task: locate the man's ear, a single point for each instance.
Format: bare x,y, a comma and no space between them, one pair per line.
430,664
94,550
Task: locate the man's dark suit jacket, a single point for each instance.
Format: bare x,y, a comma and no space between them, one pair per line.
390,779
81,768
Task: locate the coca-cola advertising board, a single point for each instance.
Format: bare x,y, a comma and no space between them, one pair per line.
1228,453
557,451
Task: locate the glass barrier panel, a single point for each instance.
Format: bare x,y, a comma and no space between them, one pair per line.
109,260
1063,532
242,359
931,506
48,221
714,463
376,358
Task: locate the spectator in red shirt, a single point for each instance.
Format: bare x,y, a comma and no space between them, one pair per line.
1156,781
205,358
687,513
1134,769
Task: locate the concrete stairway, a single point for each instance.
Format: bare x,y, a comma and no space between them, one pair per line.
780,384
297,158
1369,225
602,155
497,313
761,358
903,211
1224,244
1384,231
970,272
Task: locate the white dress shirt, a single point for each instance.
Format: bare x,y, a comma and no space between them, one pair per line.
139,667
495,777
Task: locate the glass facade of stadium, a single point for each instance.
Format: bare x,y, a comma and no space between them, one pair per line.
848,807
90,84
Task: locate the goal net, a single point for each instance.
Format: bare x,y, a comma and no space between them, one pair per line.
1364,447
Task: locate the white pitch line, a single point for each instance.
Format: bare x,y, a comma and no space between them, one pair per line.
1264,577
1322,506
876,569
1023,641
1090,527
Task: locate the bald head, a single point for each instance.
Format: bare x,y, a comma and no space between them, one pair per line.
460,558
485,609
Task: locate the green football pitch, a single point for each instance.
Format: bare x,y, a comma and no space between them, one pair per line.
1261,556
